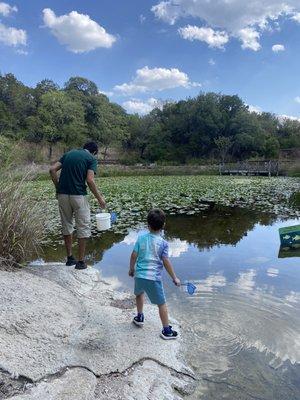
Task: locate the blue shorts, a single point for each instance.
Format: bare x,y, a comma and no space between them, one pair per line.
154,290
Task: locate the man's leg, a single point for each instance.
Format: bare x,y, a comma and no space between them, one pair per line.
68,244
83,226
81,248
66,215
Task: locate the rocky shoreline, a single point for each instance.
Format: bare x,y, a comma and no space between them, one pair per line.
66,334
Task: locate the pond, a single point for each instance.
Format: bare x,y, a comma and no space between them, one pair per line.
242,326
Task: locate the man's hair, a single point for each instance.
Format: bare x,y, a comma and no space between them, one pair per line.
156,219
92,147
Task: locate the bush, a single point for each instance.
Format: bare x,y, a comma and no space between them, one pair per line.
21,223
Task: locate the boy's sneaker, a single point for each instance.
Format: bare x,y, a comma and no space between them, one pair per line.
80,265
139,320
71,261
168,334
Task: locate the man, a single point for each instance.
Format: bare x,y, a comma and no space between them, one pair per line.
78,168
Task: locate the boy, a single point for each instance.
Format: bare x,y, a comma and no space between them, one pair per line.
150,255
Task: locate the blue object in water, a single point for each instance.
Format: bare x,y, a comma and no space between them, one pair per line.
190,287
290,236
113,217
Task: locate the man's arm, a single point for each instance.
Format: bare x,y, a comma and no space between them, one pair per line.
170,270
133,259
90,180
53,173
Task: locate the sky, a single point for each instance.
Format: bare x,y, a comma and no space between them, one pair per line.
144,52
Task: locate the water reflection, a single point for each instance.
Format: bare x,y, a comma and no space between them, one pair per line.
286,252
242,326
215,226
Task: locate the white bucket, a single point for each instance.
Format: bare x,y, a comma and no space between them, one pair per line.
103,221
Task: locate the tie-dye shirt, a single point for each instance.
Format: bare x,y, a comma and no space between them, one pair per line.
150,248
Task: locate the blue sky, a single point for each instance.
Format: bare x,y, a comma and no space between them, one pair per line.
142,52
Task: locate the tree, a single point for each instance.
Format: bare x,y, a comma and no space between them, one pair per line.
223,145
62,119
82,85
45,86
19,101
107,122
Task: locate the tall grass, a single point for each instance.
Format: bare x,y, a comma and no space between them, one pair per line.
21,222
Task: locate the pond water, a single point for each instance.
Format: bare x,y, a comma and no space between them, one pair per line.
242,325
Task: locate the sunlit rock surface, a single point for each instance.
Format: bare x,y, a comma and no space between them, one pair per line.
68,335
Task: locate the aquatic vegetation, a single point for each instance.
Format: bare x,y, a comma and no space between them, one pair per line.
132,197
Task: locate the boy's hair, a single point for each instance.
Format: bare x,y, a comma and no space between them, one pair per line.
156,219
92,147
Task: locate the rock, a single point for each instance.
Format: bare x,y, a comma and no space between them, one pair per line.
76,384
53,318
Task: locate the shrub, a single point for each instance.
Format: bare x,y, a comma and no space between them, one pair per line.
21,223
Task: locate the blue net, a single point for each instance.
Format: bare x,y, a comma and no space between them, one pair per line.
113,217
191,288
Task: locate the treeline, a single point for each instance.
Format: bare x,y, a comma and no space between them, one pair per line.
53,115
209,126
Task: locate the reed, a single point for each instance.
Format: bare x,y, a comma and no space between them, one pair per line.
21,222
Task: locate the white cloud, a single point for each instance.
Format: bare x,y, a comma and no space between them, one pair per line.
211,61
278,47
296,17
177,247
297,99
155,79
211,283
208,35
142,18
6,9
255,109
243,19
11,36
246,280
22,52
272,272
284,117
107,93
249,38
293,297
77,31
131,238
137,106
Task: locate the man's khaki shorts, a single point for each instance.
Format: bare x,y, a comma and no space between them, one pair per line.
78,207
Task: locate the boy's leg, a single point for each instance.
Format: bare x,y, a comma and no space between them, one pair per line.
167,332
139,318
164,316
140,298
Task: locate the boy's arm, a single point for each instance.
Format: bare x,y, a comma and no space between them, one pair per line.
133,259
170,270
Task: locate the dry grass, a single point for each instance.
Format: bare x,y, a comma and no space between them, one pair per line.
21,223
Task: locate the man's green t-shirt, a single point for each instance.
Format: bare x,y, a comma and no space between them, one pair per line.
75,165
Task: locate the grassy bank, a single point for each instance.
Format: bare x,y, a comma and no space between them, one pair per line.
42,174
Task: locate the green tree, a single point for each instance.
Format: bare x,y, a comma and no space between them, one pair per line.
62,119
82,85
44,86
223,145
